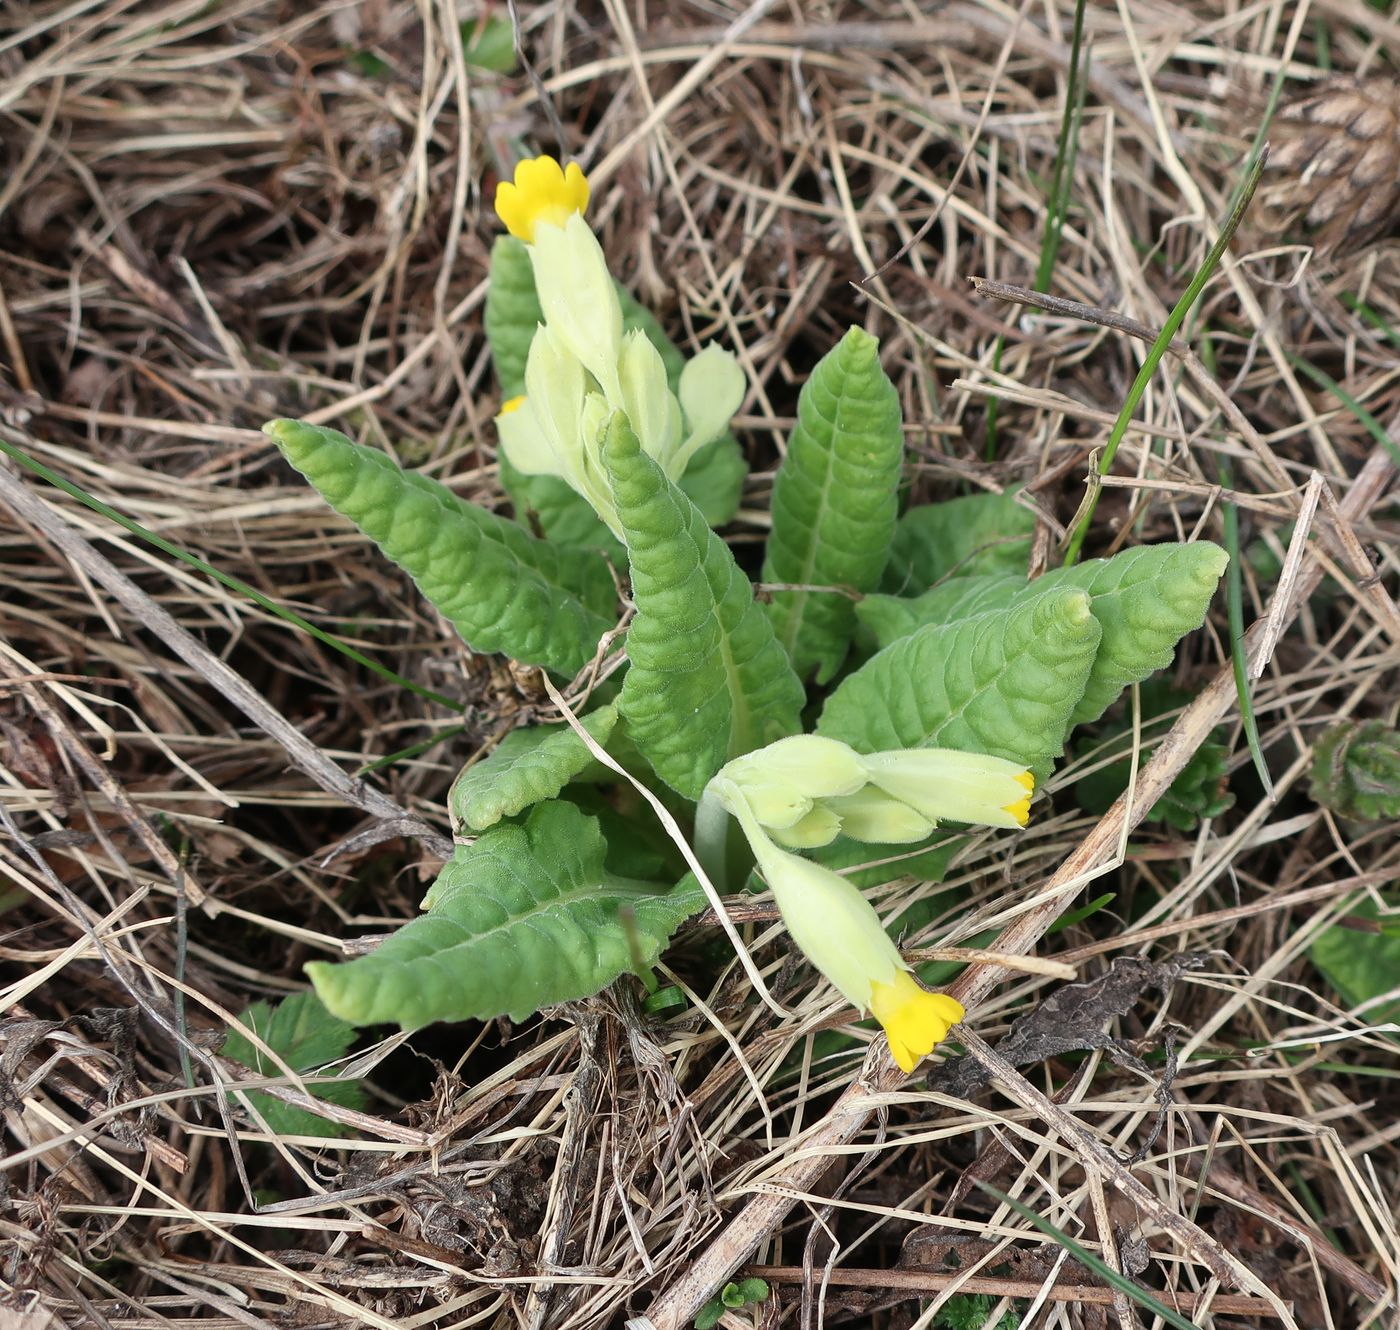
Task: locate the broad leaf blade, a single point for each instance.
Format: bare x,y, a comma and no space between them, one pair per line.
512,312
527,767
1003,683
523,918
1145,599
834,502
978,533
306,1037
1363,965
891,617
502,589
708,680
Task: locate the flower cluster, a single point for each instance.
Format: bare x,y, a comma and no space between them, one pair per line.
582,367
800,793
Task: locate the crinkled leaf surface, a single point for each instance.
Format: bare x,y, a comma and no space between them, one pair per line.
1003,683
834,502
714,479
1145,599
708,680
527,767
891,617
525,917
1363,965
502,589
512,312
978,533
306,1037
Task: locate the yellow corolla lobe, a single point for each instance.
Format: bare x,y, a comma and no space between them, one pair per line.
1020,809
542,191
915,1020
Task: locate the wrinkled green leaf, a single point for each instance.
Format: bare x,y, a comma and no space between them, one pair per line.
1363,965
978,533
1356,770
891,617
525,917
1145,599
512,312
306,1037
834,502
708,680
1003,683
502,589
527,767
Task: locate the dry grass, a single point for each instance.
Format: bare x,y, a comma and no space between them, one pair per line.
211,214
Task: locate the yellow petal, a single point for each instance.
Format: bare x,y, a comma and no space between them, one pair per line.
542,191
1020,809
915,1020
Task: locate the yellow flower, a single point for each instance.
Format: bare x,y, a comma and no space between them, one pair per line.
950,786
840,933
543,191
915,1020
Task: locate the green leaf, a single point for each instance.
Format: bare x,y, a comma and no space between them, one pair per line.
306,1037
978,533
891,617
834,502
502,589
1356,770
708,680
525,917
527,767
1145,599
709,1315
512,313
1362,965
489,44
1003,683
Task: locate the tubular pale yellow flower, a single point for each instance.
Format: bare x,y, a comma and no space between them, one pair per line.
542,191
779,783
870,815
579,299
840,933
711,388
647,399
950,786
544,206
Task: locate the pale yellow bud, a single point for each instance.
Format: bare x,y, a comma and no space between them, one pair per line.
579,300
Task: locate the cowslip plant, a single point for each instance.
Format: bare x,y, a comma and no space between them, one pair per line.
962,679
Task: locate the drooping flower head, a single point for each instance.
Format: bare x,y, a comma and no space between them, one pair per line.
801,792
557,431
840,933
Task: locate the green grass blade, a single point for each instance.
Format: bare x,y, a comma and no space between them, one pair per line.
208,569
1085,1257
1234,604
1158,349
1373,426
